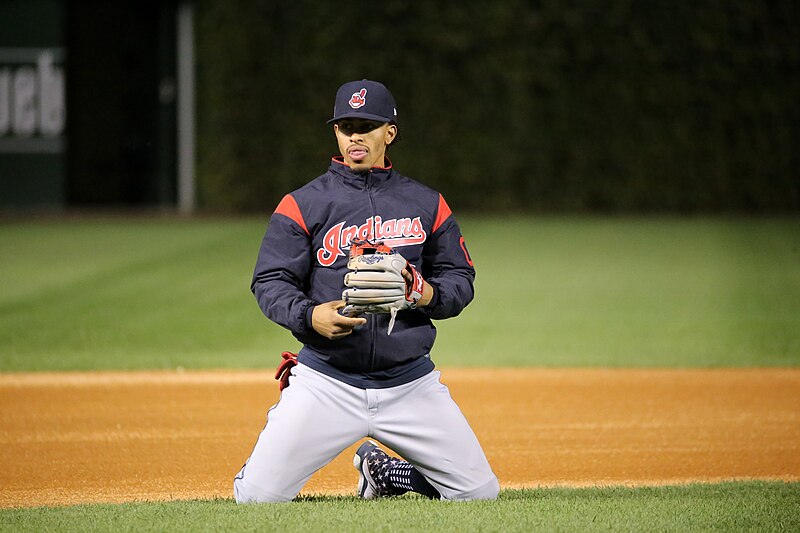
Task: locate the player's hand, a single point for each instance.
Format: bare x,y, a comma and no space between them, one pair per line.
326,320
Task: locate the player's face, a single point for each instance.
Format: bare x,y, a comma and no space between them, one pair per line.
363,142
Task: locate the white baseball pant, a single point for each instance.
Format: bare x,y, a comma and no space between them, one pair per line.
317,417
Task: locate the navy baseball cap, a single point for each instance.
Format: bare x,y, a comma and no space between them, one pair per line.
365,99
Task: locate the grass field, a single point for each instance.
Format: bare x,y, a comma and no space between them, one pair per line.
93,293
166,293
753,506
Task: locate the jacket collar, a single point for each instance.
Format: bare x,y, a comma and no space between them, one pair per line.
338,166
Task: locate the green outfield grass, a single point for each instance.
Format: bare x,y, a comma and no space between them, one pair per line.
754,506
135,293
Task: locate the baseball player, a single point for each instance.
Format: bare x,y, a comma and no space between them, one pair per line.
356,264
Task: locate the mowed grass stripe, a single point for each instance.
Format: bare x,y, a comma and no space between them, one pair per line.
551,291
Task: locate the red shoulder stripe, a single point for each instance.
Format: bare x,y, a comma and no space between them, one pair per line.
289,208
441,214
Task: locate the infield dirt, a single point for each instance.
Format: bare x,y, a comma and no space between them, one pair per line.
115,437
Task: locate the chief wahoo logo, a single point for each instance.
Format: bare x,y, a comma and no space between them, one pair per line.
358,99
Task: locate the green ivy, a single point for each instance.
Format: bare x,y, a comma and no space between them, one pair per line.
512,104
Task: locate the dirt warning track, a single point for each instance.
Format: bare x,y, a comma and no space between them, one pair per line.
114,437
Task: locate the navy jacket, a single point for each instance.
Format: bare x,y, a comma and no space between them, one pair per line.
303,260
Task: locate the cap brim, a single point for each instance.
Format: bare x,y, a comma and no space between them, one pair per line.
366,116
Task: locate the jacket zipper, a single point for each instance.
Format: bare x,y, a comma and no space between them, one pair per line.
373,322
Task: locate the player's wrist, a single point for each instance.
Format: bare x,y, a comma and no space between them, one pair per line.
427,294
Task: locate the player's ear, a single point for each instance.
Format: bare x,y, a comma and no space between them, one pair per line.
391,133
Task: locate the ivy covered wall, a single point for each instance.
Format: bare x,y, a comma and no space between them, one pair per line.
512,105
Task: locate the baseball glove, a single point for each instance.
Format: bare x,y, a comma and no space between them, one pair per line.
376,284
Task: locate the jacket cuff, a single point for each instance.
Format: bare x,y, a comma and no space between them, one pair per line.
437,297
307,321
